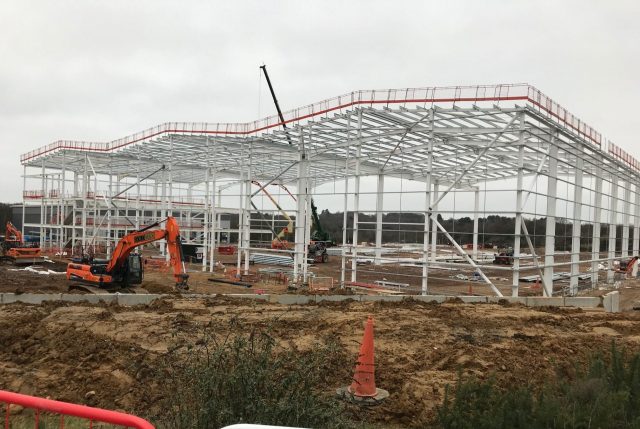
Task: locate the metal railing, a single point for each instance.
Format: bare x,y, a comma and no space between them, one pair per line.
429,95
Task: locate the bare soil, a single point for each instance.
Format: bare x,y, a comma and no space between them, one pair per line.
65,351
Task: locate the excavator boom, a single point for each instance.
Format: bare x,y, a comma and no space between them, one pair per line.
12,234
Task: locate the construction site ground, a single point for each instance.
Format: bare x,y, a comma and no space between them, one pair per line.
112,356
442,281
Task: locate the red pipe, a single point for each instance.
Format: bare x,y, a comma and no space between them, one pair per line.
65,408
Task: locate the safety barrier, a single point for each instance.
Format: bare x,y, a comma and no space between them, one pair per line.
66,409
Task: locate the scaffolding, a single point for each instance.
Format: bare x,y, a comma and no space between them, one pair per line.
409,164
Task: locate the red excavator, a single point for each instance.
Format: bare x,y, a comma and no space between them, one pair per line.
126,268
15,250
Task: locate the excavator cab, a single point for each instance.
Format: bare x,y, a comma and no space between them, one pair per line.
134,271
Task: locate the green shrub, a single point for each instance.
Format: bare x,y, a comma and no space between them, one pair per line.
246,378
605,395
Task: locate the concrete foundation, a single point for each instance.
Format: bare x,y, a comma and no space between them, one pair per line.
611,301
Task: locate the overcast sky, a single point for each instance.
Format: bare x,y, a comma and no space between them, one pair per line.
98,70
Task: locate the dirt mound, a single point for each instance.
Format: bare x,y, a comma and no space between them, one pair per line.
65,351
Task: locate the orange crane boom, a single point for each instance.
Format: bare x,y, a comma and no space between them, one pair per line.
278,242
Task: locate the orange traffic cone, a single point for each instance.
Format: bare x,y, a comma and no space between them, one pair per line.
363,388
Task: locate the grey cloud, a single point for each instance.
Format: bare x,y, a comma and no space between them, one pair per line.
100,70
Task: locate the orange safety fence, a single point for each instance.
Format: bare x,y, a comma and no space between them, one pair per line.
65,409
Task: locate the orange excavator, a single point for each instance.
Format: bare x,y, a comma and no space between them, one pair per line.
626,266
126,268
16,251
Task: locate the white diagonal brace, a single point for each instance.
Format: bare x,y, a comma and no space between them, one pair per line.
467,257
475,160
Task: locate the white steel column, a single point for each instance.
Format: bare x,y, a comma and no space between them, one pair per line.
550,230
427,210
43,208
164,206
139,215
597,216
577,226
241,203
434,218
205,215
24,201
356,203
301,225
74,204
61,203
515,282
613,226
476,214
214,215
345,208
636,221
379,205
625,219
246,231
109,204
84,199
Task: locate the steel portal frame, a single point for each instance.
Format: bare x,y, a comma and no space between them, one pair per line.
427,148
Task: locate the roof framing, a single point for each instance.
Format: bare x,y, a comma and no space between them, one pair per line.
389,130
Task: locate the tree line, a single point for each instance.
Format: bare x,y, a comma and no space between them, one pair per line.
493,230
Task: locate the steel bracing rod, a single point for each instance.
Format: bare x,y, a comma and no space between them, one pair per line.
138,182
533,251
110,199
268,224
407,130
475,161
467,257
260,188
